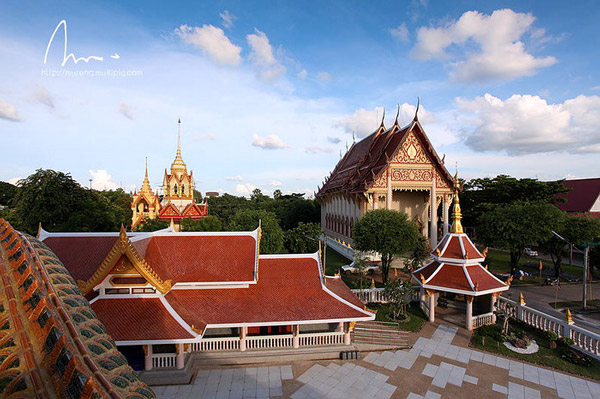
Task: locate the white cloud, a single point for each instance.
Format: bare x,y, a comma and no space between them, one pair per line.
324,76
126,111
527,124
400,33
9,112
262,56
500,53
244,189
43,96
315,149
227,19
101,180
275,183
234,178
363,122
213,42
334,140
302,74
270,142
14,180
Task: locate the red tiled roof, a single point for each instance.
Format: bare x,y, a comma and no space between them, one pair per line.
471,252
486,281
451,276
81,255
454,249
583,195
288,289
338,287
428,270
138,319
200,258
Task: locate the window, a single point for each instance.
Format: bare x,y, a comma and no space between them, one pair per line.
114,291
182,189
175,189
143,290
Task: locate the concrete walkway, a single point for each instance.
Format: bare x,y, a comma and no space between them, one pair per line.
439,365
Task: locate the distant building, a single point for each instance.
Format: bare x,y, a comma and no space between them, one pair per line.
395,168
53,345
165,295
212,193
584,197
177,201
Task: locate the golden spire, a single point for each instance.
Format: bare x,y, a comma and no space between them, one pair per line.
457,214
178,166
146,189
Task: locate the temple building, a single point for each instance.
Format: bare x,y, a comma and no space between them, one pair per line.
177,201
455,273
395,168
583,199
52,343
165,295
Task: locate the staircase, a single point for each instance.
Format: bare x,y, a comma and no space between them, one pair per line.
380,333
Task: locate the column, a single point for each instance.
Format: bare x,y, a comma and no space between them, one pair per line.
469,312
388,197
243,333
179,359
493,300
375,201
431,294
446,207
296,338
433,207
147,357
346,333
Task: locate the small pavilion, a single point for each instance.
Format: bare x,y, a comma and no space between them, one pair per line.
456,272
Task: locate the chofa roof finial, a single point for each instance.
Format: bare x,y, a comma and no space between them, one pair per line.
397,115
417,110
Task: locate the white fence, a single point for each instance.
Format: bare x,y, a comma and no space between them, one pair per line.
376,295
269,342
163,360
216,344
584,339
483,319
320,339
341,247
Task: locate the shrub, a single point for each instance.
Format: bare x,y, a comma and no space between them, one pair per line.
565,342
551,335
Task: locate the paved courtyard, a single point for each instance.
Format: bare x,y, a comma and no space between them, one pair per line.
437,367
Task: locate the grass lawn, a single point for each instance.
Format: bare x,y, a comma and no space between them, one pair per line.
545,356
416,316
499,262
594,303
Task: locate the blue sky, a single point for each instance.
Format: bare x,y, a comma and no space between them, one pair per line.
269,93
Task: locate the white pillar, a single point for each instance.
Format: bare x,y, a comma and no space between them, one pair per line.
388,197
375,201
180,356
296,338
147,357
493,300
431,305
346,333
469,312
433,207
446,207
243,333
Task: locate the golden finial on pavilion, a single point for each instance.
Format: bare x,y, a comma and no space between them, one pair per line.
457,214
569,317
521,299
372,283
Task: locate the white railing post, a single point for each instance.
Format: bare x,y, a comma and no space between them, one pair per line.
243,334
296,338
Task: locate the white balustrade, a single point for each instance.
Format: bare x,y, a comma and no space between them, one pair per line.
584,339
163,360
483,320
370,295
320,339
216,344
269,341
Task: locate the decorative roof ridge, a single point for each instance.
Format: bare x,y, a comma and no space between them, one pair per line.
124,246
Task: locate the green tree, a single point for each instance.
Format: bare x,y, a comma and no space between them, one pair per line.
121,204
387,232
272,235
516,226
303,239
152,225
225,206
396,293
7,192
208,223
483,195
418,254
61,204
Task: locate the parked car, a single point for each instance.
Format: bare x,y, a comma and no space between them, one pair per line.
530,252
370,269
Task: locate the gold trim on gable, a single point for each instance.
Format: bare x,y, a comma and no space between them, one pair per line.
123,246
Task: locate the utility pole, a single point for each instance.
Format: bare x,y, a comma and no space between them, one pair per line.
585,274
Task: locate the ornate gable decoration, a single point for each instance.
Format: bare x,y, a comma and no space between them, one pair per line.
170,211
123,246
411,151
